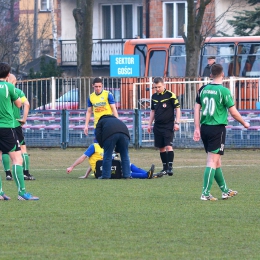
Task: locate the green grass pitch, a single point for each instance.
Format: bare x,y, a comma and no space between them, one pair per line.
160,218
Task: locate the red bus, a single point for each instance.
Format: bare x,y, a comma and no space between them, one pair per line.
166,57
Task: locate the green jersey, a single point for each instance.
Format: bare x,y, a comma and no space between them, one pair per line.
16,110
215,100
7,96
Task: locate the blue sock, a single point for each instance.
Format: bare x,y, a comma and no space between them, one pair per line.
138,172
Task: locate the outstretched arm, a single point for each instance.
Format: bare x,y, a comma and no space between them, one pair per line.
77,162
237,116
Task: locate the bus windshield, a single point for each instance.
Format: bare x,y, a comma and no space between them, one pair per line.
156,63
177,61
224,54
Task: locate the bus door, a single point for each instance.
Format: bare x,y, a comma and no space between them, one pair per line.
224,53
156,62
177,61
141,50
249,66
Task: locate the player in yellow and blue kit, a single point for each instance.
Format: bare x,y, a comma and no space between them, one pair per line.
95,153
100,102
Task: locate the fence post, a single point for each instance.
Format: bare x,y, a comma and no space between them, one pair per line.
232,87
64,129
136,129
53,93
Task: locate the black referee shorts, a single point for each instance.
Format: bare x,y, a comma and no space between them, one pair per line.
163,135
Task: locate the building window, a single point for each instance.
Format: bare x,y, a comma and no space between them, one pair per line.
140,22
45,5
175,18
120,21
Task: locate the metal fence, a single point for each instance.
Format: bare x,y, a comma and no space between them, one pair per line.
58,107
65,128
129,93
102,49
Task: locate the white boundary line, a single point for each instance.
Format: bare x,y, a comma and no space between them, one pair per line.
176,167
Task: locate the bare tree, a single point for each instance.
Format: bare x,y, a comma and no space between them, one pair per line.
200,27
83,16
54,30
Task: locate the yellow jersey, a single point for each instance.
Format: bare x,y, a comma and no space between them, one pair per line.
101,104
94,153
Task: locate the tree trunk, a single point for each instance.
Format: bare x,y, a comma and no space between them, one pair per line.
35,31
83,16
54,30
194,39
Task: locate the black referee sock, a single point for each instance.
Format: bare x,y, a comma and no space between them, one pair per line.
164,159
170,159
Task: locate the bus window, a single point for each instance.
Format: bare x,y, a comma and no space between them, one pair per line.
224,54
249,59
156,63
177,61
141,50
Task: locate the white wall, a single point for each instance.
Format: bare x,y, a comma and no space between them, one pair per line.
68,22
68,28
221,6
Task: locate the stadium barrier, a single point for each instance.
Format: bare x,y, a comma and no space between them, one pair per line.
130,93
65,128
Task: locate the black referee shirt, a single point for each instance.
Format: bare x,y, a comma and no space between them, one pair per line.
164,104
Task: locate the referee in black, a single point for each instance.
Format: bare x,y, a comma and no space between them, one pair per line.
163,105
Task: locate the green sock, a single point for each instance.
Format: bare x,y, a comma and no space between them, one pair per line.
19,178
6,162
1,187
26,162
220,180
208,180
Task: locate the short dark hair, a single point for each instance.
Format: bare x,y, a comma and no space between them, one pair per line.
5,69
96,80
158,80
216,70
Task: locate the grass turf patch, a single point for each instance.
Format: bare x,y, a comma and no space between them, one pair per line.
132,219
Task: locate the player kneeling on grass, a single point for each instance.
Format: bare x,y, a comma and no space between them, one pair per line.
95,153
215,101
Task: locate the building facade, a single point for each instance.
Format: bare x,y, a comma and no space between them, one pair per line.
114,21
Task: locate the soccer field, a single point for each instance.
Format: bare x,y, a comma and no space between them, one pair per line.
160,218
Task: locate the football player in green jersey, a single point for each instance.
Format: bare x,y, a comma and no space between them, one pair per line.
8,138
19,122
213,102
